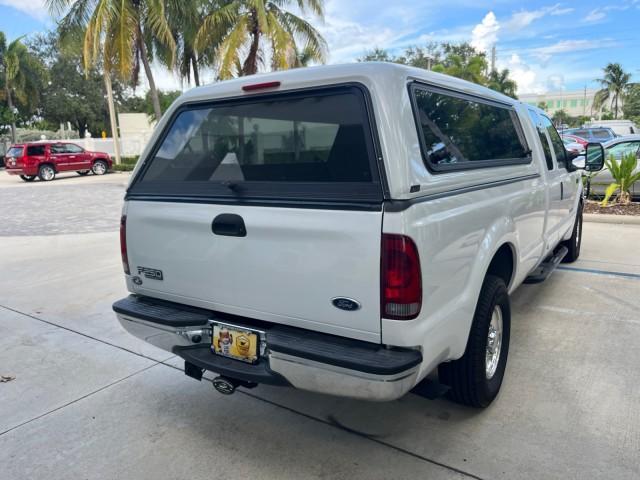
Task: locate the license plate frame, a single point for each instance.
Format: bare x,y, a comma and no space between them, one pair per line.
237,342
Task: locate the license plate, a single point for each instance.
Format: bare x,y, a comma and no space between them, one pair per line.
235,342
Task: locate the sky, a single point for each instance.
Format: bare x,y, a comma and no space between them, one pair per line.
547,46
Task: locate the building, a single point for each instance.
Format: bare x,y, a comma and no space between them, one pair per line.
576,103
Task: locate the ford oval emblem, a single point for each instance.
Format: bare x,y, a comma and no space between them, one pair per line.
344,303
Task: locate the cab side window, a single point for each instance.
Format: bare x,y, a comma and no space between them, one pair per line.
543,138
556,142
457,131
58,149
71,148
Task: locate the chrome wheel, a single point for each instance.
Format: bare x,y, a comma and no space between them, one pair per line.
99,168
47,173
494,343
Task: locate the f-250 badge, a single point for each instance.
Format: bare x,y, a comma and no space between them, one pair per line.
151,273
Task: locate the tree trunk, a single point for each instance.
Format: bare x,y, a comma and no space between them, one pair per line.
11,107
81,128
112,117
147,70
615,114
196,73
250,66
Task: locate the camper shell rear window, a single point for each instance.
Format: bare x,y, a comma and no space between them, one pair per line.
313,144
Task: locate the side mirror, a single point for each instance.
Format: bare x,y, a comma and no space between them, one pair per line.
594,157
578,162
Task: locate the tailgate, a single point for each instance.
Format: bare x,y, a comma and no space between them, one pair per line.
267,207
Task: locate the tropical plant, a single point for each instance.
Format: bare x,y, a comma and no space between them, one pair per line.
631,108
624,176
615,84
467,68
239,29
120,34
20,79
500,82
184,19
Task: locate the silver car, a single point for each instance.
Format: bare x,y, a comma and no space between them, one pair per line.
618,147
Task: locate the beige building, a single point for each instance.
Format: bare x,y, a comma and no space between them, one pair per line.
576,103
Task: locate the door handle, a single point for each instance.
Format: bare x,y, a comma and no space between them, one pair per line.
562,190
229,225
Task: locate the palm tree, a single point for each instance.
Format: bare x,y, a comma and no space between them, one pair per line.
19,74
471,69
184,19
240,26
615,84
500,82
120,33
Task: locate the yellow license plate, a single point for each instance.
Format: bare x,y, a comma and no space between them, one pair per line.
235,342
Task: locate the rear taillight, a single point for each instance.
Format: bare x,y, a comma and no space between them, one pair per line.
401,279
123,244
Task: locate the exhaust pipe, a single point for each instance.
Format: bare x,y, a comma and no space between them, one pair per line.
224,385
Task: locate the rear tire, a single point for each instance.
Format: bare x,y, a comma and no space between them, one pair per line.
83,172
476,377
575,242
46,173
99,167
28,178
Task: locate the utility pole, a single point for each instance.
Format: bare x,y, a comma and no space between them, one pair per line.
112,117
493,58
584,102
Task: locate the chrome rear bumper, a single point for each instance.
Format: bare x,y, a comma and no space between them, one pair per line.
299,372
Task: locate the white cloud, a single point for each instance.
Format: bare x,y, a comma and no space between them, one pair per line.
522,73
595,15
485,34
34,8
565,46
524,18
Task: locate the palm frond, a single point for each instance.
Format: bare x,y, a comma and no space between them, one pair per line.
230,47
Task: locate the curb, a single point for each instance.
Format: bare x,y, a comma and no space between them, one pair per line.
608,218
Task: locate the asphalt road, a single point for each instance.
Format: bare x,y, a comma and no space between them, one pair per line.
89,401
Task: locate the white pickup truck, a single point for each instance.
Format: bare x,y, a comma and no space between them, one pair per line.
345,229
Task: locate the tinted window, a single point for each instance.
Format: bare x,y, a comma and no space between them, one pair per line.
537,121
58,149
319,138
601,134
456,132
35,150
15,152
621,149
581,133
556,142
71,148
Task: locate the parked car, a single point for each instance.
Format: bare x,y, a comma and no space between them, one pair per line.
599,135
345,229
45,160
617,148
573,147
575,139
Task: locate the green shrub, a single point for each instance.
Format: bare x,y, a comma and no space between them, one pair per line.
127,165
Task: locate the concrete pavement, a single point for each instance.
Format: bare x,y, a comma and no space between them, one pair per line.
90,401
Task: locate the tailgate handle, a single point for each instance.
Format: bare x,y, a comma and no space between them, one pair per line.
229,225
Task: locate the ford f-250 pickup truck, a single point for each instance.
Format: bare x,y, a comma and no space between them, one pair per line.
345,229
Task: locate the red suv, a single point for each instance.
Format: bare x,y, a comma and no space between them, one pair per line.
44,160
